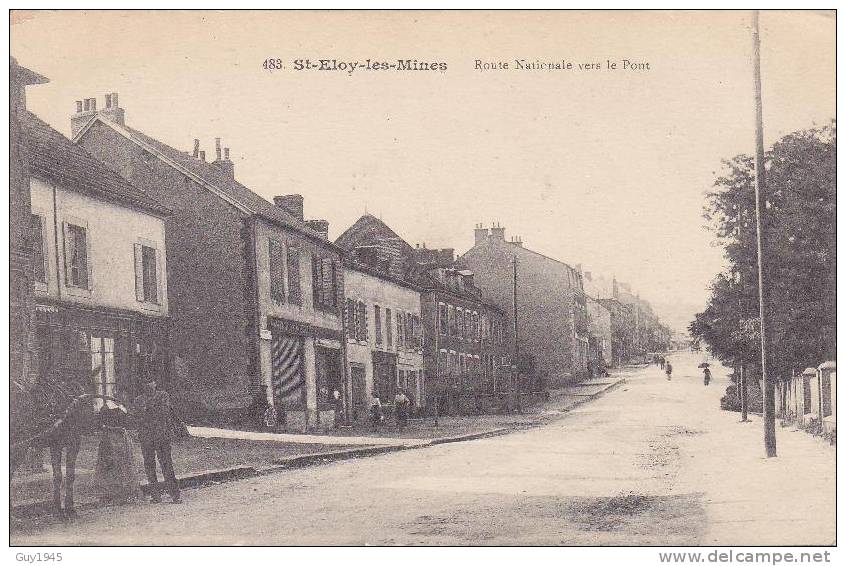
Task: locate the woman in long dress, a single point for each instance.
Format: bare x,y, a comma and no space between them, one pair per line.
115,474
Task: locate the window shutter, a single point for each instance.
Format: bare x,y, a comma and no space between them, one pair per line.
326,275
68,251
159,277
277,285
294,288
139,272
316,282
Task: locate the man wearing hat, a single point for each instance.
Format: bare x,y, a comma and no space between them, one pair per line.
155,417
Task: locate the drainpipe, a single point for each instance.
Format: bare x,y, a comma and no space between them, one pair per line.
56,242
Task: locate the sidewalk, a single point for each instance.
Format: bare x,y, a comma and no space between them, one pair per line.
215,455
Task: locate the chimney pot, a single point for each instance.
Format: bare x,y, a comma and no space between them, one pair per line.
217,149
226,153
196,148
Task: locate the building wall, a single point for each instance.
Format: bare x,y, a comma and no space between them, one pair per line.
600,326
210,288
491,352
112,232
373,290
546,302
304,312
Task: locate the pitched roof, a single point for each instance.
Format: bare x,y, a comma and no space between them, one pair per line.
57,158
214,176
211,175
369,230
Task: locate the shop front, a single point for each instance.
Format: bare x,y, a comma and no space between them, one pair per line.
306,370
106,351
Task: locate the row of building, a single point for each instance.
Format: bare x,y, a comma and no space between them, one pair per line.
131,259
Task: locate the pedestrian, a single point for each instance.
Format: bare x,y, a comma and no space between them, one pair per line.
375,411
157,426
338,405
401,404
668,369
707,375
114,473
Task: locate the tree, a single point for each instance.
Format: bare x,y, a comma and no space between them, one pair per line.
799,232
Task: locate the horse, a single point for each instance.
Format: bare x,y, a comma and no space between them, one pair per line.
62,415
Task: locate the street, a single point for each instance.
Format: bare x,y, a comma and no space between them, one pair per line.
654,462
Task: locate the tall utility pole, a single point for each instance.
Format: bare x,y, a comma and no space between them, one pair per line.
760,205
515,386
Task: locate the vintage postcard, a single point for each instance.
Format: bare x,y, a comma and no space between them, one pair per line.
424,278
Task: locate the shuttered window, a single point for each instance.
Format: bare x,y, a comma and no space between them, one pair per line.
295,295
76,256
377,320
39,273
324,279
400,330
277,271
146,274
389,328
361,321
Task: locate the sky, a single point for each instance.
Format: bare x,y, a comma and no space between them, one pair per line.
605,168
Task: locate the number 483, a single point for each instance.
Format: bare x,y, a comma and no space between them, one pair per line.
272,64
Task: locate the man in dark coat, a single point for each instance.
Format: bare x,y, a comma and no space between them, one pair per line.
154,414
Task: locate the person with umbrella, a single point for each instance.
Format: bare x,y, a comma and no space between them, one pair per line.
706,372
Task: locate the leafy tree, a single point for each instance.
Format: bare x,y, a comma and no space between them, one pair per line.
800,255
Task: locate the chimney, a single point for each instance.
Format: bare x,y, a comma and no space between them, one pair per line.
225,165
196,153
320,226
517,241
481,234
293,204
202,155
87,108
497,232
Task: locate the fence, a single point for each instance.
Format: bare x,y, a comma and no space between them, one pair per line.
810,399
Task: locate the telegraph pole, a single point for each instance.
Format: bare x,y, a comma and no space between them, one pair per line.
760,210
515,386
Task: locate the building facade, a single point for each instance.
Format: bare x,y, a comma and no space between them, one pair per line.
552,316
384,337
99,270
256,291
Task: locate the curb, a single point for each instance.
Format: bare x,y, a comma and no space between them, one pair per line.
31,510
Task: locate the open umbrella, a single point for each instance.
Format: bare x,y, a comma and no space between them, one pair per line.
704,365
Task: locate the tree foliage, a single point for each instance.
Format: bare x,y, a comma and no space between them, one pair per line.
800,255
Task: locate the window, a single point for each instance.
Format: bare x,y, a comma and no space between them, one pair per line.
103,367
408,330
324,280
389,328
400,329
361,321
443,362
39,273
146,274
443,320
277,271
417,331
468,326
350,323
459,322
295,294
451,316
476,331
377,317
76,256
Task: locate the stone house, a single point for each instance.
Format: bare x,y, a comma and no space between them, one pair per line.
256,290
